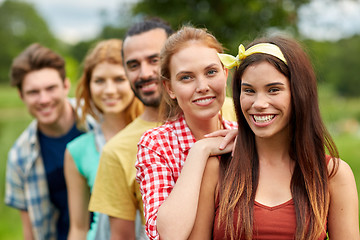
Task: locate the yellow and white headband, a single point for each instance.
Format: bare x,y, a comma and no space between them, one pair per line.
267,48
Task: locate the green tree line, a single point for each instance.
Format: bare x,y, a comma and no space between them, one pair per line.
337,63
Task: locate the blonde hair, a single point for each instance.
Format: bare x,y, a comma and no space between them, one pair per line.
104,51
169,108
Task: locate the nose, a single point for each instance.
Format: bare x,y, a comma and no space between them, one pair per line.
202,85
260,101
110,86
147,70
44,97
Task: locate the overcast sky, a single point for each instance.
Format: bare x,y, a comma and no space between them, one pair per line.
74,20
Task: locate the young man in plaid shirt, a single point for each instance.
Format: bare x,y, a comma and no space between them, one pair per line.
35,182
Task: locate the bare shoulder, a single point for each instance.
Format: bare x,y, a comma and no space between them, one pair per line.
343,171
211,175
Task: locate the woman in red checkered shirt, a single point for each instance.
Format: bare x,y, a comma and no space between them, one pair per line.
171,158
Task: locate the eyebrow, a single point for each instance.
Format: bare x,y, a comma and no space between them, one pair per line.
182,72
268,85
154,55
131,61
211,65
148,57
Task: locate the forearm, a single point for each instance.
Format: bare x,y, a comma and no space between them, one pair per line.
122,229
27,228
176,216
77,233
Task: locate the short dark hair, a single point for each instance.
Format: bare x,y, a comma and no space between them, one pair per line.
147,25
35,57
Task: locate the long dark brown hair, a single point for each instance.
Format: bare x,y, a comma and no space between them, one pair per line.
309,141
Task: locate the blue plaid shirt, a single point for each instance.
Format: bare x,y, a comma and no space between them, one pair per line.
26,184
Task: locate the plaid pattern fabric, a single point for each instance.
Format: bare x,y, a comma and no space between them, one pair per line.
162,152
26,183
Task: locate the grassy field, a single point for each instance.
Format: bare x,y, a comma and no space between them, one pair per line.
342,116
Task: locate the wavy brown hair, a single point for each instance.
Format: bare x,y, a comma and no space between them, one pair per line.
104,51
309,141
169,108
35,57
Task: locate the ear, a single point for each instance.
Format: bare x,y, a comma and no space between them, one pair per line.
67,85
21,95
167,86
226,72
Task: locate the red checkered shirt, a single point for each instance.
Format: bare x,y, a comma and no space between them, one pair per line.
162,152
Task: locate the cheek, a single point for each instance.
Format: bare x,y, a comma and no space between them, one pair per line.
94,90
244,102
132,76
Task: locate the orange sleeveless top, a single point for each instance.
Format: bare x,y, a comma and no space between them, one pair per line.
270,223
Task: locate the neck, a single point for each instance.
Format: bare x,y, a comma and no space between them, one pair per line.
273,150
201,127
112,124
62,125
150,114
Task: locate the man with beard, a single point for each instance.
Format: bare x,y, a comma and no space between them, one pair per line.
115,191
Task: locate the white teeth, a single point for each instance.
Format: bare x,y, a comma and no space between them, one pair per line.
264,118
47,109
148,86
203,100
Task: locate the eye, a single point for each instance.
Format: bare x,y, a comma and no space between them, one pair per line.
274,90
154,60
32,92
133,66
119,79
51,88
185,78
247,90
212,72
99,80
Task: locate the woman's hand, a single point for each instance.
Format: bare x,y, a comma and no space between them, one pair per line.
229,137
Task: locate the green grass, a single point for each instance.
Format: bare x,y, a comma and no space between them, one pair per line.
13,120
339,114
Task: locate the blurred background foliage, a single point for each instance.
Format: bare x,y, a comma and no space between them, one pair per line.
232,22
337,63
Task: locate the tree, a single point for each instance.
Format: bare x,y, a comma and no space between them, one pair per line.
20,25
232,22
337,64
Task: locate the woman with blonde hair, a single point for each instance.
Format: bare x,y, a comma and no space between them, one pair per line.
105,93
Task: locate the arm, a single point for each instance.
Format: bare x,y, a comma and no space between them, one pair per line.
162,197
343,219
26,223
15,193
206,208
113,196
122,229
78,199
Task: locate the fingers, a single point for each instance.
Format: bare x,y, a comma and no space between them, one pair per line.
229,138
218,133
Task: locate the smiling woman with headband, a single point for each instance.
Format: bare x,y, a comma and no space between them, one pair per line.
279,183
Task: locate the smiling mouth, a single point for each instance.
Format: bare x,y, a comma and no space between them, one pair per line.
204,100
263,118
148,86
